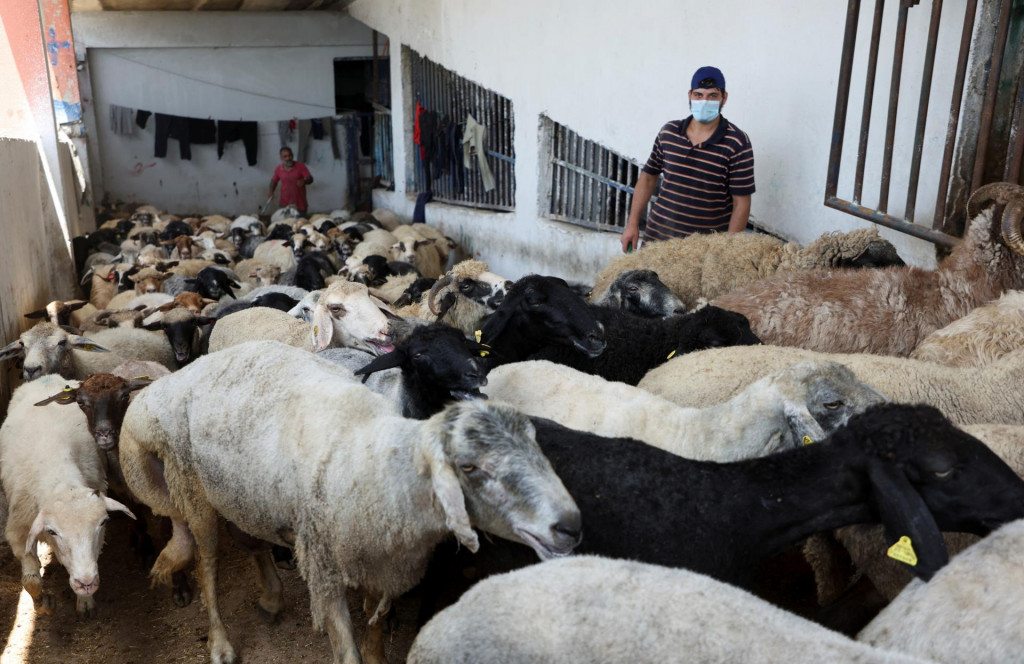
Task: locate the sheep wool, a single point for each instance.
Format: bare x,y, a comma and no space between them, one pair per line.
970,612
985,335
588,610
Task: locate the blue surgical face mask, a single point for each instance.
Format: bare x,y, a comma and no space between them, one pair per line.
704,110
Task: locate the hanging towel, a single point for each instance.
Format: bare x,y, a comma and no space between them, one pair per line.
229,130
121,120
284,129
474,144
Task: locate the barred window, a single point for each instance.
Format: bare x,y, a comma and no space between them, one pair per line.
454,100
383,164
588,184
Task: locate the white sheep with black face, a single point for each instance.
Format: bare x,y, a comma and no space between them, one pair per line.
365,520
462,297
56,491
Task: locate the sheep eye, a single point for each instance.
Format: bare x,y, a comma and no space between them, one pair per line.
51,532
832,405
943,473
126,396
467,467
633,289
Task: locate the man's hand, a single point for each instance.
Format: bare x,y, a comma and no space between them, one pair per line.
300,183
630,237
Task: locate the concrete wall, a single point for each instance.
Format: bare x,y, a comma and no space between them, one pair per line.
615,72
261,66
35,266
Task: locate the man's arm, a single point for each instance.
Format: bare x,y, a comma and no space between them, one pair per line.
645,186
740,213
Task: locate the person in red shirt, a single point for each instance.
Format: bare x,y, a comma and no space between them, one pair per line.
293,176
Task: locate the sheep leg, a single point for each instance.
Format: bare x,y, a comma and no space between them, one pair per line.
203,523
32,582
176,554
271,601
373,640
339,629
86,607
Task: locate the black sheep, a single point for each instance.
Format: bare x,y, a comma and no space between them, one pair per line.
905,466
637,345
212,282
539,312
436,364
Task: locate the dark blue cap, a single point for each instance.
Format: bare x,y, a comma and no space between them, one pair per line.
708,72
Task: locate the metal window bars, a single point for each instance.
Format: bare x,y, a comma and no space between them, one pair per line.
450,95
589,185
942,220
383,159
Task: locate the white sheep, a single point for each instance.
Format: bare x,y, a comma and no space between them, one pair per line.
772,414
590,610
274,252
48,349
362,495
55,489
965,395
970,612
983,336
346,315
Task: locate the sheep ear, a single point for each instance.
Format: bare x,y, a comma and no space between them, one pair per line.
68,395
393,359
139,383
77,305
323,327
82,343
39,313
449,492
12,350
114,506
86,277
910,528
803,425
33,534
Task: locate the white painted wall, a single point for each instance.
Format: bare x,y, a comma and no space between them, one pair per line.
264,67
615,72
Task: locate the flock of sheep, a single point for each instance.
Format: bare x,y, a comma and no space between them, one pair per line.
355,397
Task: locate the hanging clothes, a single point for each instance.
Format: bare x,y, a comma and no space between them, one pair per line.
328,126
247,132
474,144
172,126
305,128
121,120
141,118
202,132
453,138
284,130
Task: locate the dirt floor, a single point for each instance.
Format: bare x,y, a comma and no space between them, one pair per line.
137,625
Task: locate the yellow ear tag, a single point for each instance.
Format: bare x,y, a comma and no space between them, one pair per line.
671,355
479,335
67,388
88,347
142,378
808,440
903,551
316,330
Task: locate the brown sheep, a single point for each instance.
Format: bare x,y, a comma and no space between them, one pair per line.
890,310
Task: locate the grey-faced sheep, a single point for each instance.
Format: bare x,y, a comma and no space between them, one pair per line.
55,489
788,409
971,611
703,267
590,610
640,292
965,395
463,297
890,311
983,336
365,520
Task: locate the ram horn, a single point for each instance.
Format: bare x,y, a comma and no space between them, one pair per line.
1013,215
441,283
992,193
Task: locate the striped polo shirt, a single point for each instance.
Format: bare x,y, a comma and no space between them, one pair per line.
700,180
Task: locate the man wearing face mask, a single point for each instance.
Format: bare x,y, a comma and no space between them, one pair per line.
708,167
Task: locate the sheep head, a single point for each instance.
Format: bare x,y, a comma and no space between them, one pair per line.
348,316
473,281
46,349
58,312
104,399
